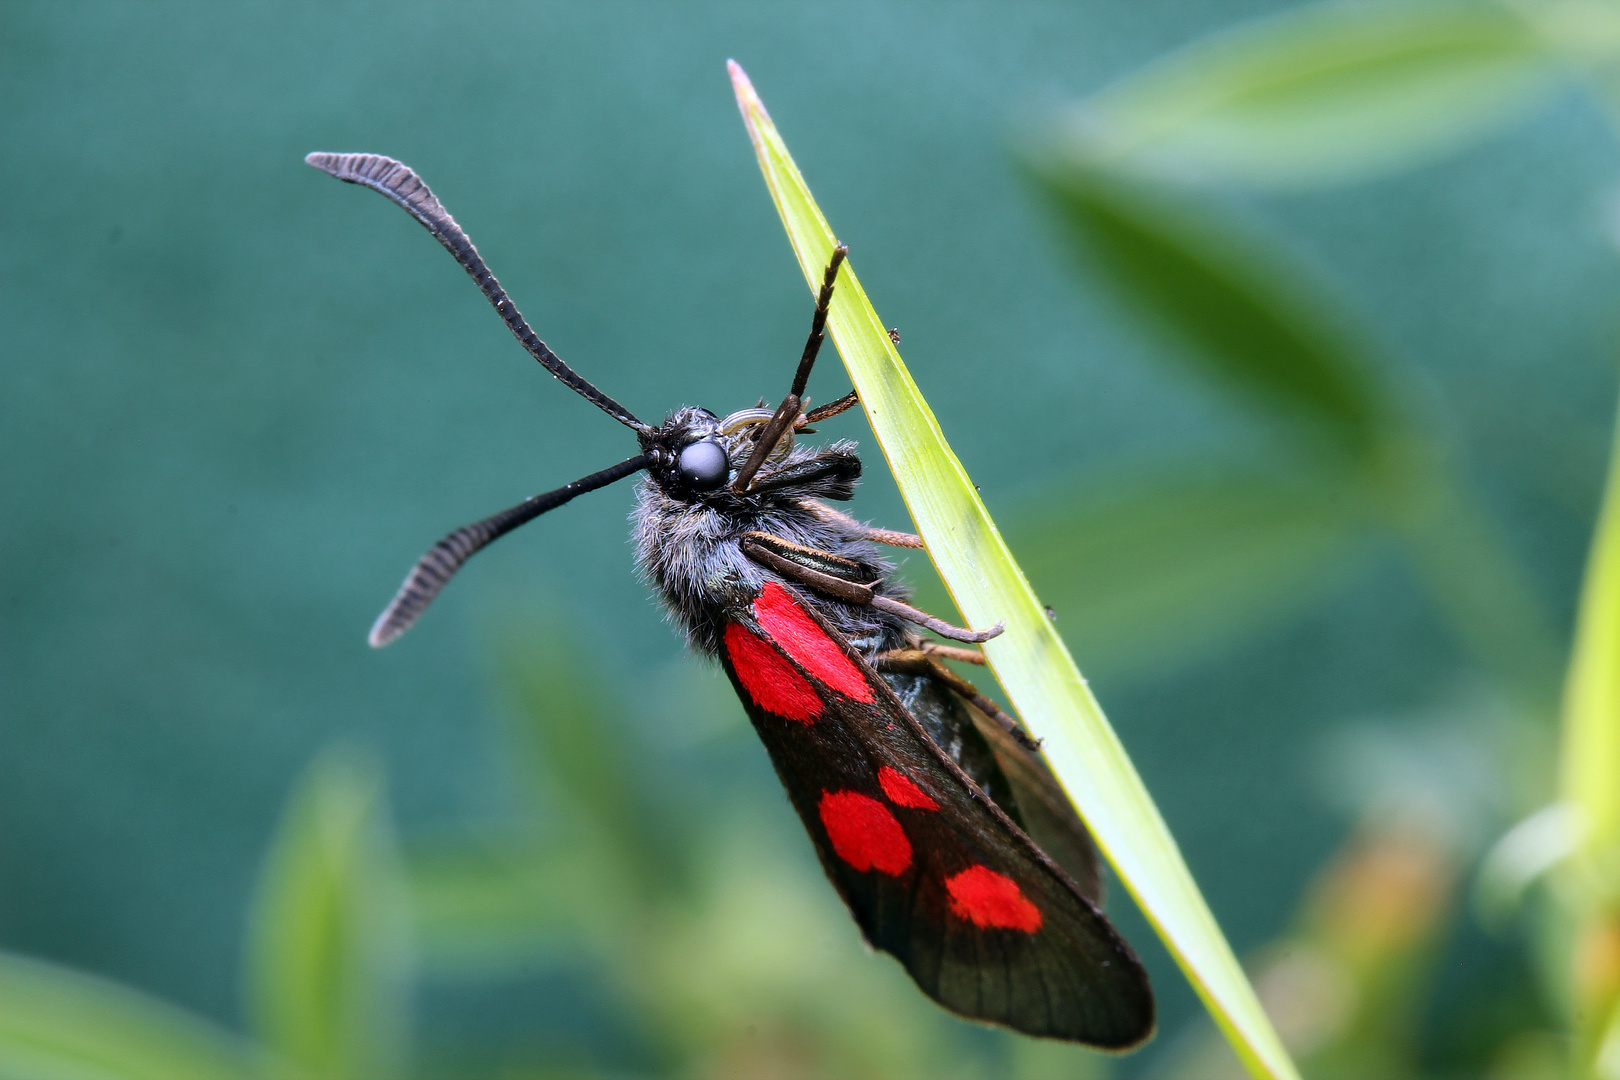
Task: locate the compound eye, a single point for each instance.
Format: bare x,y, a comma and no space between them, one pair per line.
703,465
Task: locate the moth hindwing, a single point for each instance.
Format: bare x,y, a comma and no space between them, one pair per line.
937,822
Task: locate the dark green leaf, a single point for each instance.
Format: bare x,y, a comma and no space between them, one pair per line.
1243,311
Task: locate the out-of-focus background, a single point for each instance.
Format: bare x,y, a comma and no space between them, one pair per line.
1303,441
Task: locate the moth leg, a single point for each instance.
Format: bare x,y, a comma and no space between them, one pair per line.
832,464
822,412
950,652
921,662
845,569
866,532
916,642
787,412
810,567
938,626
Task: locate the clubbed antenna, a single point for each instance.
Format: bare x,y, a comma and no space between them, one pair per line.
435,569
402,186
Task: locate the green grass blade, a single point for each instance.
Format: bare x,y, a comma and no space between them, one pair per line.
1029,659
1323,93
58,1024
1591,750
329,933
1590,785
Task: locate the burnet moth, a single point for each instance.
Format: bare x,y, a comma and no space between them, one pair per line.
932,813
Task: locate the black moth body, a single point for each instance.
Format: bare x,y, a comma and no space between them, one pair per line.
934,817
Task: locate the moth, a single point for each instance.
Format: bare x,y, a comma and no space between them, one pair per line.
931,810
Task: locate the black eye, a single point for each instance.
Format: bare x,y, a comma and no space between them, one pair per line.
703,465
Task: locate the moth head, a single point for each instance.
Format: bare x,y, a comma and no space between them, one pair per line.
689,454
695,453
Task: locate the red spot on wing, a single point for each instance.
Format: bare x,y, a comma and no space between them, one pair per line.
769,679
902,792
800,637
864,832
988,899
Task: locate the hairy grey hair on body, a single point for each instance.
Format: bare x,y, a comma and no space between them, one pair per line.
688,549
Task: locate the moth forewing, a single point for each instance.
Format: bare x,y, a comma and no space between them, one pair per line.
933,870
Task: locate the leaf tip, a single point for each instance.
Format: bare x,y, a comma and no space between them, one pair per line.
747,100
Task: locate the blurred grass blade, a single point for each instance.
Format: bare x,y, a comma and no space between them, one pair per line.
1255,320
1333,92
502,902
591,856
58,1024
565,744
1347,980
1520,858
1245,315
1166,564
329,935
1475,579
1591,739
1029,659
1590,783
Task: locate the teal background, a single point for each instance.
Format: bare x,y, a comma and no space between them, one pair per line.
237,399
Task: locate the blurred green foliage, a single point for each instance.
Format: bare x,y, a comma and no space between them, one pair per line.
329,940
58,1023
1155,183
1255,320
1321,95
726,958
1328,93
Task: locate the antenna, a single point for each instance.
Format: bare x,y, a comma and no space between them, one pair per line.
402,186
435,569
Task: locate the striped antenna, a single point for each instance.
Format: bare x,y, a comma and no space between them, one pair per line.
402,186
434,570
